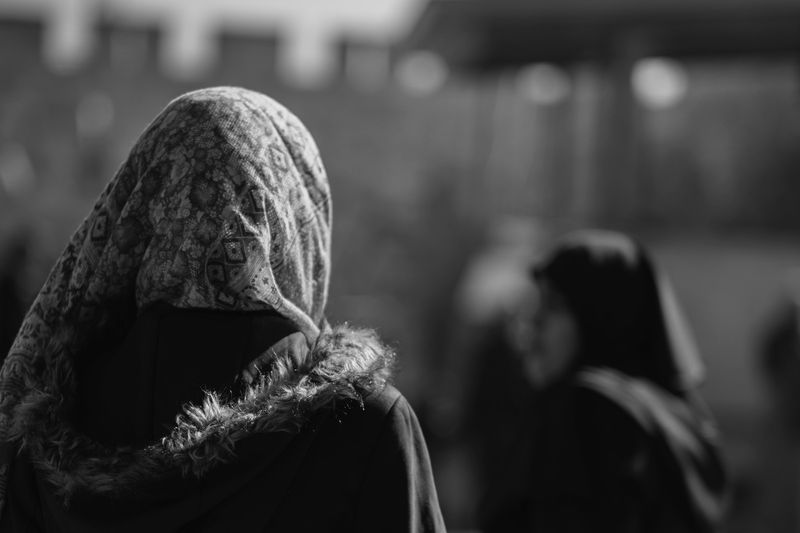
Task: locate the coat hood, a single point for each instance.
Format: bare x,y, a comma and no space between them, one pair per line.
344,366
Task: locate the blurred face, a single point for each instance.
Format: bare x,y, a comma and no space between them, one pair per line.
547,334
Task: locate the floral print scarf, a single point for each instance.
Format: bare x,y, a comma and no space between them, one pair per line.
223,203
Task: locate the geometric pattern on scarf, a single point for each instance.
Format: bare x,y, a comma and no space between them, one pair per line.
222,203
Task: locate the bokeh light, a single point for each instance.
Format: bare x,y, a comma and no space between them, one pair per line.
421,72
544,84
659,83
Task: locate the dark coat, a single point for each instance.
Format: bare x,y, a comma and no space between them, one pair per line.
583,463
332,460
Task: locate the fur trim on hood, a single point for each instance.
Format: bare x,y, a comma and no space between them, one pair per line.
344,366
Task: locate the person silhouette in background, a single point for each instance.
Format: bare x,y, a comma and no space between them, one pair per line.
768,492
616,438
176,371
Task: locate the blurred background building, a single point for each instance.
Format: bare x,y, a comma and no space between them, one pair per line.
459,135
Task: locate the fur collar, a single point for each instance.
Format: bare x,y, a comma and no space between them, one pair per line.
345,365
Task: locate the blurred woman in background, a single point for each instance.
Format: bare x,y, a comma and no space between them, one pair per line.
206,258
616,439
768,485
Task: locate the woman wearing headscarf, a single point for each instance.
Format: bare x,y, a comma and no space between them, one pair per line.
616,439
176,372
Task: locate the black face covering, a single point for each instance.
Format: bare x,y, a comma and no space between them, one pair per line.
627,315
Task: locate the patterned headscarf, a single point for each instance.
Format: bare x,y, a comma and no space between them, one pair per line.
223,203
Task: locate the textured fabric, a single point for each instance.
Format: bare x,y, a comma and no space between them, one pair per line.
627,314
223,203
367,470
344,365
342,442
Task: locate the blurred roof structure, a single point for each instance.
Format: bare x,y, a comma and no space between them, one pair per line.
488,34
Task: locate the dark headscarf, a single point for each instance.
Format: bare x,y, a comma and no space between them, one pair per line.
627,314
636,350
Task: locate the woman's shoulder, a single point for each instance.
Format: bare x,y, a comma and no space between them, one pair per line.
379,423
391,410
584,405
593,424
385,400
604,397
594,406
608,428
